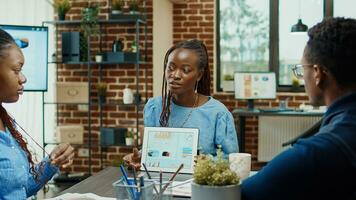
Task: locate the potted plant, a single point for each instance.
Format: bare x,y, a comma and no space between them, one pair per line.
101,90
89,22
62,7
228,83
213,179
129,137
117,6
295,83
134,7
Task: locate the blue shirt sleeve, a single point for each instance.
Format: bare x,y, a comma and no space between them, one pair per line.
149,114
226,133
33,186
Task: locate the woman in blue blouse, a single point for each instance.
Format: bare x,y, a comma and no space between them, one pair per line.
186,101
20,177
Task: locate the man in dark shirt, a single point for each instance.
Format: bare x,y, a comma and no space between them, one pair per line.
324,165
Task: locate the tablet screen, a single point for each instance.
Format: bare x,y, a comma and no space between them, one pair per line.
166,148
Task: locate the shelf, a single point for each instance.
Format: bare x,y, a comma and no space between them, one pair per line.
92,145
122,18
117,103
98,63
110,103
59,103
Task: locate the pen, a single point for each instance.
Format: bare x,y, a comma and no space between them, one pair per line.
148,174
172,178
132,191
142,181
135,177
160,185
149,177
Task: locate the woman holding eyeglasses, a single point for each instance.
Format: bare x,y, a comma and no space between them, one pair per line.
186,101
20,176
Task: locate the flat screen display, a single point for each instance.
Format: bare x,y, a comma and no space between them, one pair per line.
255,85
33,41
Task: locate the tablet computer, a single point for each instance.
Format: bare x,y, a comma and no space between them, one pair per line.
165,149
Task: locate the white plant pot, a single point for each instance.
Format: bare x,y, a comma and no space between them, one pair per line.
116,12
228,86
129,141
206,192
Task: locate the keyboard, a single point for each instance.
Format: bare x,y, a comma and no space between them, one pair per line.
271,110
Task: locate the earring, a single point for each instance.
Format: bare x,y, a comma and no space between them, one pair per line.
196,86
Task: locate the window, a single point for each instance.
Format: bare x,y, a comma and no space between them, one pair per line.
244,38
291,45
255,35
344,8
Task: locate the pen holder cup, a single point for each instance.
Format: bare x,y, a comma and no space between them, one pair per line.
165,188
132,192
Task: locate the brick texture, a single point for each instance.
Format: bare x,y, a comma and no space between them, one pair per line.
195,19
116,76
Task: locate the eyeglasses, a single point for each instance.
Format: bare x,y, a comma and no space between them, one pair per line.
298,70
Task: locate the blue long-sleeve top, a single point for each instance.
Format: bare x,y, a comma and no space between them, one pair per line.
16,182
320,167
213,119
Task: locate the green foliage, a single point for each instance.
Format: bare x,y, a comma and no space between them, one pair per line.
117,4
61,6
244,36
134,5
101,88
295,82
228,77
90,17
129,133
214,171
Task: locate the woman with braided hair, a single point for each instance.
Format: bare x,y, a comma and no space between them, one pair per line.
186,101
20,177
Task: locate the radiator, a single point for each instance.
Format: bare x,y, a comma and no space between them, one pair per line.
275,130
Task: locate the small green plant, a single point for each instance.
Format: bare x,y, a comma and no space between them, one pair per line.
134,5
62,7
129,133
228,77
295,82
118,5
89,22
101,88
214,171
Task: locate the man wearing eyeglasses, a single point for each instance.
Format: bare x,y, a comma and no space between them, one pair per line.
322,166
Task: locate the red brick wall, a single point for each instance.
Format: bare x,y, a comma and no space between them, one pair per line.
192,20
117,77
195,19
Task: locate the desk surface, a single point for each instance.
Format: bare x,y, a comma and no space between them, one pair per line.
101,183
256,112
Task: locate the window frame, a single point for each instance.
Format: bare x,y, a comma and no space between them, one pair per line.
273,42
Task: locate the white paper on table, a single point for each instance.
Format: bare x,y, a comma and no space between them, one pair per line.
182,188
77,196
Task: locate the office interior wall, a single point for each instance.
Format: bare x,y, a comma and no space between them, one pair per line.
196,19
28,110
163,31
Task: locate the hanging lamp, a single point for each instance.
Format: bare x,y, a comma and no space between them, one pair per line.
299,26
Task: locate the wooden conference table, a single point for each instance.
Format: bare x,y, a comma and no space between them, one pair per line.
101,183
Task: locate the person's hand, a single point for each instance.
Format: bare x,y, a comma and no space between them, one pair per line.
62,155
133,159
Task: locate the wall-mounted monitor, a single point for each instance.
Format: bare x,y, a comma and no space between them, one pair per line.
34,42
255,85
